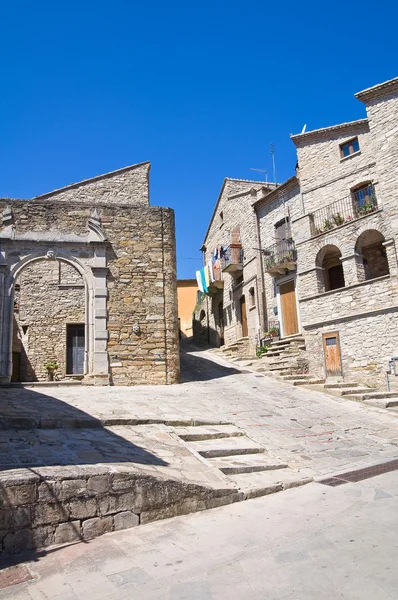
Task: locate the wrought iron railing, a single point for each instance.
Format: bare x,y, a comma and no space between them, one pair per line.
284,251
358,204
232,256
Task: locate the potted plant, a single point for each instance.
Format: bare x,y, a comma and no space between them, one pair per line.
338,219
51,366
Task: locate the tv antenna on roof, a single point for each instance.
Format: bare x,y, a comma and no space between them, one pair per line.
272,150
261,171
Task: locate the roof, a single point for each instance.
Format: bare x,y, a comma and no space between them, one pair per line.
96,178
318,133
286,185
377,90
220,196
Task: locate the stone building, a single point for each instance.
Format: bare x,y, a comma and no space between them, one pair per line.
234,307
335,227
88,279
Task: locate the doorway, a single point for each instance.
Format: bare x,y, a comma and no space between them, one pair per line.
331,349
243,316
75,346
288,302
221,322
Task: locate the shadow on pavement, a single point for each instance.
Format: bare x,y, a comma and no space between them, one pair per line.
197,368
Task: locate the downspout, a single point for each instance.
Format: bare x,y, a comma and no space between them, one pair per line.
263,312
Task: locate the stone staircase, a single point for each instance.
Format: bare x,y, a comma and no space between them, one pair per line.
243,461
360,393
286,361
238,350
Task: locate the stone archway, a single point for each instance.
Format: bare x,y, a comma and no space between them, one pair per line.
96,364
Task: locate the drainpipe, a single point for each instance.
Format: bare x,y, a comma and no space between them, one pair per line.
262,313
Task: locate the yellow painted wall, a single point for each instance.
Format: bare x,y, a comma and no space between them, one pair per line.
186,293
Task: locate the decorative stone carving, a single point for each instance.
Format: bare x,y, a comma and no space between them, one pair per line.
50,254
96,231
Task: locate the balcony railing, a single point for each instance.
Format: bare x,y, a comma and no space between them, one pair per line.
218,283
358,204
281,257
232,260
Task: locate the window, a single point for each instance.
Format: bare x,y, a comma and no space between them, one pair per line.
348,148
252,298
282,229
365,198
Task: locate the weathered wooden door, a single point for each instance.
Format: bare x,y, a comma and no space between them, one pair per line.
331,349
243,317
289,308
75,349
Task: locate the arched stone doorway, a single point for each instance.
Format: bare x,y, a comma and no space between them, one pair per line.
49,322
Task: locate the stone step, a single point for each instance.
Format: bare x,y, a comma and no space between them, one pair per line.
295,377
45,384
343,384
356,390
268,482
248,463
364,397
200,433
289,340
380,402
226,447
311,381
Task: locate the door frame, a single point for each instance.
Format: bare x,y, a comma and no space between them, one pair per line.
337,335
282,280
66,347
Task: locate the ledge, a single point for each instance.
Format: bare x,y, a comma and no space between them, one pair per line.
361,315
331,231
347,287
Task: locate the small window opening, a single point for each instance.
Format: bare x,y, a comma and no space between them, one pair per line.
348,148
252,299
25,329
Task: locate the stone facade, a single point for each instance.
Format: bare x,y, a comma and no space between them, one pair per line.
344,222
106,259
219,317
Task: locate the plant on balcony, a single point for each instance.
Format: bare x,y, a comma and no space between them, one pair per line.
327,225
288,256
338,219
366,208
272,332
51,366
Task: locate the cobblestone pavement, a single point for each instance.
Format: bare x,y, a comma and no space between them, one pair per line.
307,543
305,428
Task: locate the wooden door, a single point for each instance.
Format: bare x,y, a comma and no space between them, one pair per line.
75,350
289,308
243,317
331,349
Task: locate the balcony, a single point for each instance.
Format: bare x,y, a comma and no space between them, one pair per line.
358,204
218,283
232,260
280,258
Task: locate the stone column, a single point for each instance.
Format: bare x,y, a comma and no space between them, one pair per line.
5,337
353,269
391,257
99,337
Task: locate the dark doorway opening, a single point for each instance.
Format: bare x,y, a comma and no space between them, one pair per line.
75,344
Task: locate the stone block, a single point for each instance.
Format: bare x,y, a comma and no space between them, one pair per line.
67,532
125,520
50,513
21,517
98,484
49,491
17,495
73,488
83,509
94,527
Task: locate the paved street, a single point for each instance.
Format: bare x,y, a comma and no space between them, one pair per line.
306,543
307,429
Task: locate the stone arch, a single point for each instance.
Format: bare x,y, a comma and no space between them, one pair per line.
328,262
94,278
372,256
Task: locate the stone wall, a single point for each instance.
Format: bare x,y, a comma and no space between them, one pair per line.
129,185
58,506
135,265
50,295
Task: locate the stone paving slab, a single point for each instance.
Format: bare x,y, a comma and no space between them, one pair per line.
305,428
308,543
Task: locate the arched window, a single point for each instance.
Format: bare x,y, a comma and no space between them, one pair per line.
252,298
329,259
370,248
364,198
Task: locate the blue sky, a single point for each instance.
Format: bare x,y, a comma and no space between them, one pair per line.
199,89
